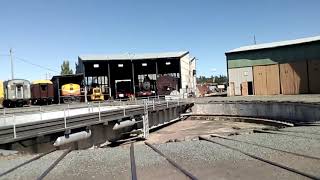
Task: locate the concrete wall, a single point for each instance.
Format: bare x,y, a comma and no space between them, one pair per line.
239,75
193,78
290,112
187,78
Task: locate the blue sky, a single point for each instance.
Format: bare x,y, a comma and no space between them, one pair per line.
48,32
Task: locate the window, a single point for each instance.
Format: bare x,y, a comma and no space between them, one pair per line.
43,87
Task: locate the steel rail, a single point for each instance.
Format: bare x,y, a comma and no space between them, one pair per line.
47,171
268,147
188,174
263,160
26,162
133,163
283,134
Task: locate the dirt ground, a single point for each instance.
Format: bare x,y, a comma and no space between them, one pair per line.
190,129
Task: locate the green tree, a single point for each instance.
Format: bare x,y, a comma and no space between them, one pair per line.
65,68
221,79
217,79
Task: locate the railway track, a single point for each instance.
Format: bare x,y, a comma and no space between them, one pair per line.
133,163
283,134
176,165
303,132
173,163
54,164
47,170
267,147
273,163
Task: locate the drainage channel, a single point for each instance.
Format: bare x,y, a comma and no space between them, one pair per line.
261,159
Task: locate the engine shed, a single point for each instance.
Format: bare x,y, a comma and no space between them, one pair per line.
130,74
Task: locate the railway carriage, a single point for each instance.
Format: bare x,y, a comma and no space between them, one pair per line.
1,94
42,92
16,93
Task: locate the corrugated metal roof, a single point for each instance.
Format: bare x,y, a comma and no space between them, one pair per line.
42,81
133,56
275,44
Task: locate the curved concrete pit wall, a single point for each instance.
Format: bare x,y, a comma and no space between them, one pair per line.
285,111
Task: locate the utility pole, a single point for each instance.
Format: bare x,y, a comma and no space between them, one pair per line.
254,39
11,58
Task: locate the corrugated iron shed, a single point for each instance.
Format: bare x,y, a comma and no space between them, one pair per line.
275,44
133,56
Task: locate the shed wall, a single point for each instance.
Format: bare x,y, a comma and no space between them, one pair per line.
314,75
187,78
285,54
239,75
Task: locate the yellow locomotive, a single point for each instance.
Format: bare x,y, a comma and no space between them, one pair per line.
71,92
97,94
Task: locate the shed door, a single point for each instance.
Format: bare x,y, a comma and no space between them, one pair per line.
266,80
286,78
260,80
314,75
300,74
273,79
294,78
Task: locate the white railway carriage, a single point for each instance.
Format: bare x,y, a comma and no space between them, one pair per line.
16,93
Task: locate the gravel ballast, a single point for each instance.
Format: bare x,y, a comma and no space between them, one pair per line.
203,159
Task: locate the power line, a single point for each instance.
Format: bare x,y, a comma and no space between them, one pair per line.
37,65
